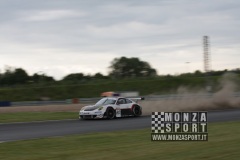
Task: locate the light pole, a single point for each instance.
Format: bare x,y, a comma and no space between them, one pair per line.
207,62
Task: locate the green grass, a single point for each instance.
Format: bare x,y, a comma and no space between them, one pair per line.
36,116
224,143
93,88
61,91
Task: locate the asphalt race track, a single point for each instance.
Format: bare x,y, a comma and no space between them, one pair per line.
32,130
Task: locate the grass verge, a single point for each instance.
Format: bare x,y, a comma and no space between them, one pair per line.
224,140
36,116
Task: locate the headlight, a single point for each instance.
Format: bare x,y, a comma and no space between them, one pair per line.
100,108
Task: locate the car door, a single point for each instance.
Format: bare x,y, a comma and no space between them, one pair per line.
124,106
119,106
129,103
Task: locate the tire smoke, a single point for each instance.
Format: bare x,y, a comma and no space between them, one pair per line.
225,98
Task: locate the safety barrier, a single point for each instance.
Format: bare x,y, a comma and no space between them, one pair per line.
5,103
94,100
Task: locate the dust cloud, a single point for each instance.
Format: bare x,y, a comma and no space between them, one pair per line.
199,100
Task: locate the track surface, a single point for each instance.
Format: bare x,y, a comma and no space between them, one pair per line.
24,131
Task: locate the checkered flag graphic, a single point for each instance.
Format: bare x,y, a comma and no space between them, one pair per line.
157,122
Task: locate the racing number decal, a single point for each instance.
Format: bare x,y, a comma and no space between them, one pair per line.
118,112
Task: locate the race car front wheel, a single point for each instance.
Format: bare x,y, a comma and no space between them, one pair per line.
110,113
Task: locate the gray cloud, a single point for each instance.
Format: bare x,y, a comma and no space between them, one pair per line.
51,35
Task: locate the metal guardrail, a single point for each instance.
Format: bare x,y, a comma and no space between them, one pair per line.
94,100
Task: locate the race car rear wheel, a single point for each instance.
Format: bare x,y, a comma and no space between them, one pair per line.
137,110
110,113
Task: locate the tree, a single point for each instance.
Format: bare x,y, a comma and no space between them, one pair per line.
130,67
198,73
14,76
74,77
100,76
37,78
20,76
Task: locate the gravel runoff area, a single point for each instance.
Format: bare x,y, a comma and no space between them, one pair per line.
170,104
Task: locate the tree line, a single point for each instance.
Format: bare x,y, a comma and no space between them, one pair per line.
122,67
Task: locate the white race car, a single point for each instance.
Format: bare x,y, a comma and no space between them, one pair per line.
111,107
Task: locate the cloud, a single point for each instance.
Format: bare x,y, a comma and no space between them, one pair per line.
66,36
54,61
132,29
49,15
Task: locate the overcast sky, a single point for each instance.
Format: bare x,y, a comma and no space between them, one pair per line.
58,37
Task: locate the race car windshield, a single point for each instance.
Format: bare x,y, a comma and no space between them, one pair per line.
105,101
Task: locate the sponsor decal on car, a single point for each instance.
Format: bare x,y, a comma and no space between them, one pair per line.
118,112
85,112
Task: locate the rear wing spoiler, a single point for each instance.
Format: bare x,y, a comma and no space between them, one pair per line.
137,98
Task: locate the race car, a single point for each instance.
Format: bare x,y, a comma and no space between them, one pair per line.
112,107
